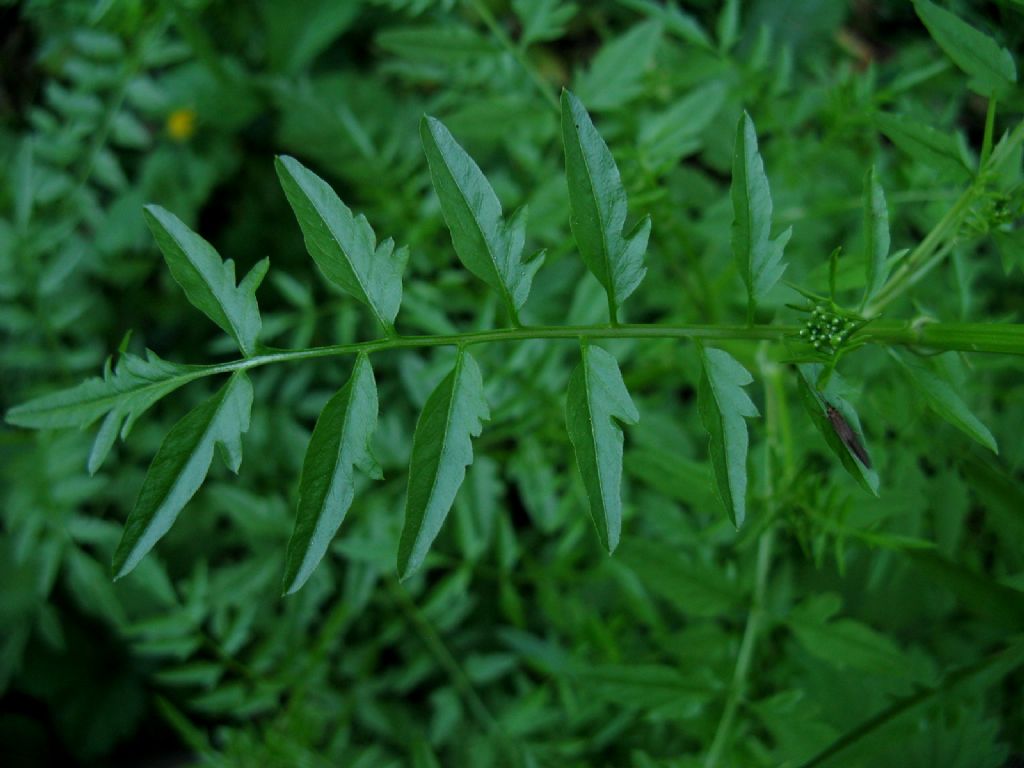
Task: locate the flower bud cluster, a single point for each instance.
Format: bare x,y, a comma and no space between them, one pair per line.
826,330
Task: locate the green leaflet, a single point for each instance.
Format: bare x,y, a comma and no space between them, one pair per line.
180,467
876,237
342,245
723,406
931,147
945,401
595,399
814,403
209,282
758,257
597,203
441,451
489,247
989,65
340,443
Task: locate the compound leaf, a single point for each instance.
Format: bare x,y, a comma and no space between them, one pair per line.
340,443
180,467
595,400
342,245
489,247
597,203
208,281
723,406
441,451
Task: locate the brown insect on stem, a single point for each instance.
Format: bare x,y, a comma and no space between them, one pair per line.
847,435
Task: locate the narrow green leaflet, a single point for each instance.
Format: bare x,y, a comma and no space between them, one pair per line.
815,403
758,257
723,406
945,401
876,237
989,65
209,282
340,443
441,451
489,247
180,467
596,400
342,245
931,147
597,203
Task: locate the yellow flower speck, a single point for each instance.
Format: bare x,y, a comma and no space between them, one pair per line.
181,124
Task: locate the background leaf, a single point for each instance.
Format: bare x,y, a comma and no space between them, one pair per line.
876,237
209,282
944,400
990,66
723,406
342,245
441,451
340,443
614,76
489,247
597,202
180,467
595,401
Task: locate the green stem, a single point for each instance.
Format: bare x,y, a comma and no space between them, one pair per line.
543,87
967,337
